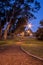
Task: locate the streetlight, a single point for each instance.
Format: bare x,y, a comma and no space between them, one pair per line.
29,25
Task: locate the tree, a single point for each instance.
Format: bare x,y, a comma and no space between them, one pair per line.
41,23
20,25
39,32
15,9
4,7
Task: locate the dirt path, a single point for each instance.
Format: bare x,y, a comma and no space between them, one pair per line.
13,55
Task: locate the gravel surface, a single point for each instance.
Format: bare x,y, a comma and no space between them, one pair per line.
13,55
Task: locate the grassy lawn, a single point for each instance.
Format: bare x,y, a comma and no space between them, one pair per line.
10,41
34,47
7,42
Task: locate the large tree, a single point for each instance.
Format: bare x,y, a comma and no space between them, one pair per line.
5,10
14,10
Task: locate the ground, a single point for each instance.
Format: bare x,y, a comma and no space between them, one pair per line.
13,55
34,47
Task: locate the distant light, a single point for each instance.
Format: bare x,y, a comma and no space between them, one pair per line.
28,31
31,34
29,25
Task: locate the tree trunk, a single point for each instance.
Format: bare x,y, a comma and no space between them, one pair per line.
8,26
6,31
0,33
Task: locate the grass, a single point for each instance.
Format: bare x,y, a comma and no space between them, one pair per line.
10,41
34,47
7,42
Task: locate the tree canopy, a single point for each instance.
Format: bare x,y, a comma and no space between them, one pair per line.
13,11
39,32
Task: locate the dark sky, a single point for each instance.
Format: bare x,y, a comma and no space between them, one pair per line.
39,16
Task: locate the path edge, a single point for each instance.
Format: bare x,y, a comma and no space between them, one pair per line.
31,54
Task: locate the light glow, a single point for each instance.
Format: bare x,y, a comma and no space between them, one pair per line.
29,25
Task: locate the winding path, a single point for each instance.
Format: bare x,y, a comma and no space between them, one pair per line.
13,55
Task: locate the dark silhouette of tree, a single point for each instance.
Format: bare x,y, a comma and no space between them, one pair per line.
39,32
3,8
11,11
41,23
20,25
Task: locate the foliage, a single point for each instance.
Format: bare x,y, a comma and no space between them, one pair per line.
12,10
39,33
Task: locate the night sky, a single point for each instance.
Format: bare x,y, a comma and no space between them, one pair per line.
39,16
